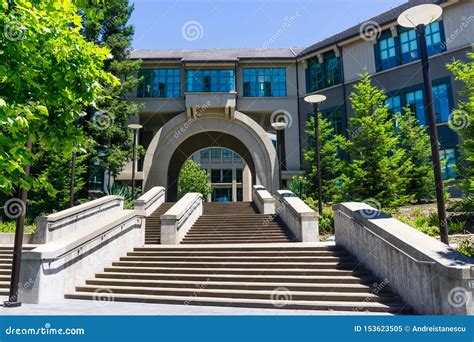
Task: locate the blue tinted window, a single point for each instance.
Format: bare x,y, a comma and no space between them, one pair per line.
333,71
210,80
441,102
408,46
434,39
414,100
387,53
394,104
259,82
161,83
448,159
315,75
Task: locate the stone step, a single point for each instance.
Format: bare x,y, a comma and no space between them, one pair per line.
226,241
241,248
202,291
209,284
242,254
187,258
244,271
393,307
178,276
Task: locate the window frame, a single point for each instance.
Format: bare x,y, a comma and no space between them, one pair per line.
254,87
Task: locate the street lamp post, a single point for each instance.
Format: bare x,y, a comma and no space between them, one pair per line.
418,17
135,128
73,165
280,127
316,100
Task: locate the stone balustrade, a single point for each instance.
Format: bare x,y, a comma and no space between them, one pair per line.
177,221
65,222
430,276
263,200
150,201
298,216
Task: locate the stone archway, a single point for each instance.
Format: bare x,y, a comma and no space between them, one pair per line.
181,136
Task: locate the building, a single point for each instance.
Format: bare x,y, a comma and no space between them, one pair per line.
228,98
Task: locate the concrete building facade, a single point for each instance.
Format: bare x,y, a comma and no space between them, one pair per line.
229,98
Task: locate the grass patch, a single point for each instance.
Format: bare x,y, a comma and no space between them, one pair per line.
10,226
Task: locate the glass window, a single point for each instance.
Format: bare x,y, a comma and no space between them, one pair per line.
237,158
238,175
227,176
259,82
394,104
226,156
408,46
441,102
333,71
315,75
205,156
387,53
216,176
210,80
434,39
239,195
216,155
415,100
161,83
448,159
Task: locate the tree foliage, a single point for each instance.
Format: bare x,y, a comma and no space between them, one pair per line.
193,178
462,121
48,73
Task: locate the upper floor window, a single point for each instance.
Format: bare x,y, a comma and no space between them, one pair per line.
441,102
387,53
164,83
414,100
324,75
434,38
259,82
227,156
210,80
448,158
408,46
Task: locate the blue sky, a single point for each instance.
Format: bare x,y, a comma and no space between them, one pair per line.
161,24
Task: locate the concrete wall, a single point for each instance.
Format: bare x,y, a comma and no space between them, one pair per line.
263,200
428,275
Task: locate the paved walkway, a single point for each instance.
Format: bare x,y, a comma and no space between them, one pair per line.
84,307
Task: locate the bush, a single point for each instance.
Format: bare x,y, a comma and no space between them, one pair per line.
10,226
465,247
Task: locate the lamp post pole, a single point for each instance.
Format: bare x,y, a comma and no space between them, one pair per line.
417,18
315,100
317,151
430,114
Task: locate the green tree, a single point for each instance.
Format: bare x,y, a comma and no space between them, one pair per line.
193,178
418,172
377,160
48,74
462,121
331,163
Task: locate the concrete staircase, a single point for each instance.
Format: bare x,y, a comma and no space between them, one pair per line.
6,260
153,224
287,276
237,222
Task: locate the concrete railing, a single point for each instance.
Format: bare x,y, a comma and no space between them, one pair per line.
298,216
263,200
65,222
150,201
177,221
51,270
430,276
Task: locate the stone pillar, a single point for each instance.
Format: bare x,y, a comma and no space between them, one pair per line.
246,184
234,184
